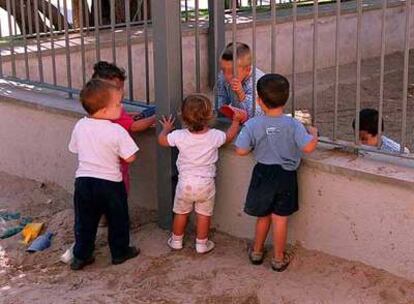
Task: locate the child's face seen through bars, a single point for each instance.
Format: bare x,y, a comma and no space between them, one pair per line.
243,71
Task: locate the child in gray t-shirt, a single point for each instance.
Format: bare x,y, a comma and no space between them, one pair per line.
277,142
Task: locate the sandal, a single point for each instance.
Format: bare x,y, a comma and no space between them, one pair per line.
280,266
256,258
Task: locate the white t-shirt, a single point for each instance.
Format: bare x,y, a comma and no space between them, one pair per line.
198,152
100,144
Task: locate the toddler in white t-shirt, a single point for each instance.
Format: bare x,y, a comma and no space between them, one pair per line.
198,146
99,189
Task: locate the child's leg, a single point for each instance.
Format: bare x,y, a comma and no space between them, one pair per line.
203,226
279,235
87,215
114,198
262,229
179,224
203,244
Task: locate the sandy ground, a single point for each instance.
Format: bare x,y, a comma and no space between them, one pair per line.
159,275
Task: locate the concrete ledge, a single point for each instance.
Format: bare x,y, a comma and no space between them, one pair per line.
366,165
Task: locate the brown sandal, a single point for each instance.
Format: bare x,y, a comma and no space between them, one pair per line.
280,266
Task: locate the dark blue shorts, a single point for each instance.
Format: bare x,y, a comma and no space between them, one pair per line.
272,190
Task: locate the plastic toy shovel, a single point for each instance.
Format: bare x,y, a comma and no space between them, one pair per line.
31,231
41,243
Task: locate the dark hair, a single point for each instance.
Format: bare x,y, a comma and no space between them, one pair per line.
108,71
368,121
242,52
273,90
196,111
95,95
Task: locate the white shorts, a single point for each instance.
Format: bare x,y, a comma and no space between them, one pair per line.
199,192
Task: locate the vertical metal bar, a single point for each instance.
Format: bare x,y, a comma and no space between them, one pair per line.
382,68
44,16
86,14
81,10
147,69
254,3
14,15
197,45
52,44
29,16
294,12
113,31
405,77
216,39
166,18
96,24
1,60
67,47
315,60
337,40
11,39
59,16
234,33
358,71
273,33
39,47
186,10
100,13
129,51
23,30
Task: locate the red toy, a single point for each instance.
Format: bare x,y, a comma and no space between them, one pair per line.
229,111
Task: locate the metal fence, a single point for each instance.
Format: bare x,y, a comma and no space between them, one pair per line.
53,31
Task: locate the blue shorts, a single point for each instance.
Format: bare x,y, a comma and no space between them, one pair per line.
272,190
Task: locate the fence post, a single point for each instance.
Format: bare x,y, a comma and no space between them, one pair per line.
168,95
216,38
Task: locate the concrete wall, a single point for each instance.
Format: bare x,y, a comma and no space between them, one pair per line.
357,208
370,43
353,207
34,142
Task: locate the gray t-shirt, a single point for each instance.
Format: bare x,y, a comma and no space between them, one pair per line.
275,140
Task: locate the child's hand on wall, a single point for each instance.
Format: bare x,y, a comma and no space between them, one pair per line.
167,123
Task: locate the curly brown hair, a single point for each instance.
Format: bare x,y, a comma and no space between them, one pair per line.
196,111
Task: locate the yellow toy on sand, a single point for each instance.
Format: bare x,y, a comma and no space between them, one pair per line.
31,232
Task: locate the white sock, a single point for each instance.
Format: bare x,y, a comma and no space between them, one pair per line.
201,242
177,237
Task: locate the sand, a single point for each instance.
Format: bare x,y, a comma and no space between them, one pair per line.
159,275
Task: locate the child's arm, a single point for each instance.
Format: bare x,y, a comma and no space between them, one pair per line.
143,124
234,128
245,141
246,98
167,127
130,159
242,152
311,146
